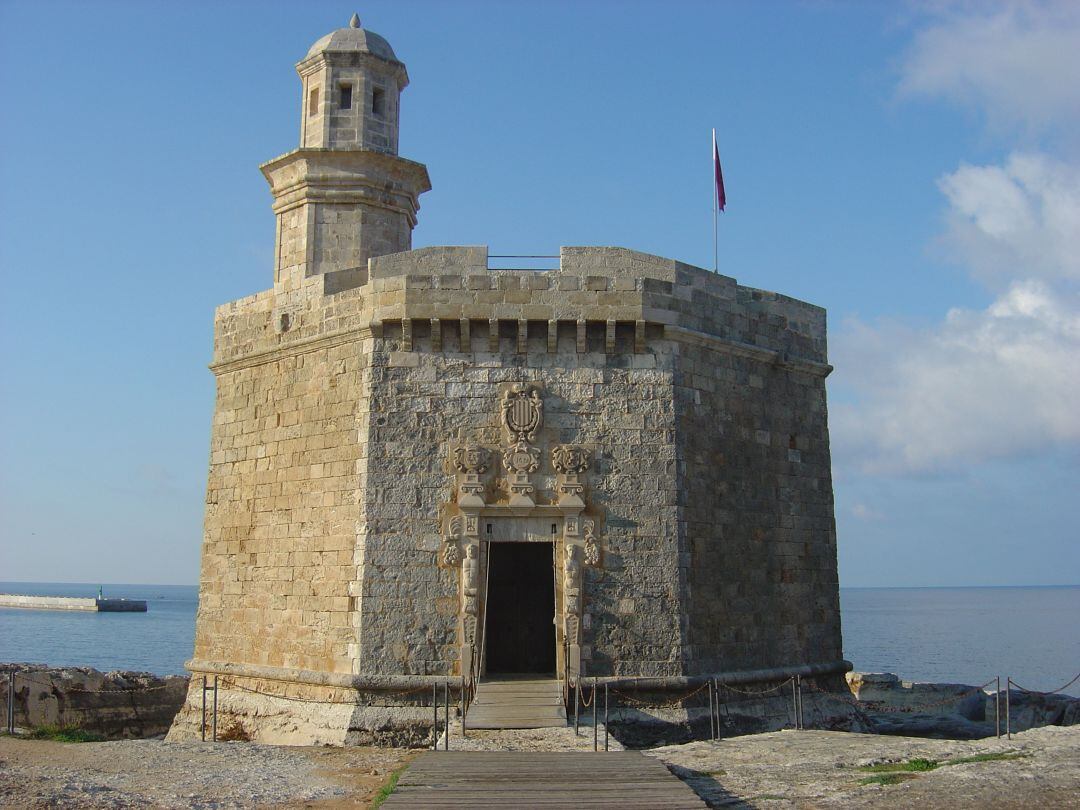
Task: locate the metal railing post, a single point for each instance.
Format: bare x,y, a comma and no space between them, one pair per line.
202,726
11,701
997,707
605,717
577,702
716,688
712,730
215,709
798,684
435,717
794,704
595,729
1008,707
446,700
463,706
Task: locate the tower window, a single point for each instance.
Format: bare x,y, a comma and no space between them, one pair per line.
378,101
313,101
346,97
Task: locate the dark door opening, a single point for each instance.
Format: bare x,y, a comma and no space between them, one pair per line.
520,609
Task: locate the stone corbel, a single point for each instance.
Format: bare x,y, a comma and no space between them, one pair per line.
571,463
470,461
520,461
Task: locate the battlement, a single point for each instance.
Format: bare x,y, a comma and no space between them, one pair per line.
447,298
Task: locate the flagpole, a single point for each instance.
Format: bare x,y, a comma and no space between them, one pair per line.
715,213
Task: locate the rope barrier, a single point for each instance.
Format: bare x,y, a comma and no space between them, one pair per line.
402,693
757,692
1054,692
669,705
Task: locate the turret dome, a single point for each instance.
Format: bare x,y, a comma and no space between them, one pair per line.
353,39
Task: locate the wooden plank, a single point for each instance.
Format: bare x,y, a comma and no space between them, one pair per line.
624,779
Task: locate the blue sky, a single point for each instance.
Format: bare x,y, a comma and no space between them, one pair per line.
912,168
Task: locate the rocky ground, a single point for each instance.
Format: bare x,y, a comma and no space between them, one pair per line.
804,769
155,773
797,769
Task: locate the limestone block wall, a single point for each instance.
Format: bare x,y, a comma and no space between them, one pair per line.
281,511
617,404
756,506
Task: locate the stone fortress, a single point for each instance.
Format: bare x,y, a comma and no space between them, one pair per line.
423,469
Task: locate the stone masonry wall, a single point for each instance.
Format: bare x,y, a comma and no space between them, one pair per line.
756,503
281,509
617,404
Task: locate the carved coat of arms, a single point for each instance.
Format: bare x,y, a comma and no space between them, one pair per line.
522,412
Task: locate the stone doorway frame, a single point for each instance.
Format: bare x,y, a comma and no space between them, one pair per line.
496,486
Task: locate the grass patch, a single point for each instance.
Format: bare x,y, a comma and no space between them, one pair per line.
894,778
387,789
986,758
69,734
918,764
769,797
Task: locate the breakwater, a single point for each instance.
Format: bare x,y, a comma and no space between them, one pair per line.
10,600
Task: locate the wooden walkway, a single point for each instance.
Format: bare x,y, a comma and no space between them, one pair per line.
624,779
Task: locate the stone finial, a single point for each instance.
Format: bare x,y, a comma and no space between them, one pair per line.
355,21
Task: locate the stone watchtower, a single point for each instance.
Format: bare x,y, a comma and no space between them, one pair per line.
424,470
345,195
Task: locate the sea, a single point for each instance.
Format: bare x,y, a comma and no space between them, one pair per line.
943,635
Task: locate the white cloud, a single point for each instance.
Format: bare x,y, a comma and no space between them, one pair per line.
984,384
1016,61
1002,381
1017,220
864,512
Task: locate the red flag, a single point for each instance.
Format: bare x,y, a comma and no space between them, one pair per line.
721,198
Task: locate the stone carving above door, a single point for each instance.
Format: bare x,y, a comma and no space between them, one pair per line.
500,474
471,461
570,459
522,412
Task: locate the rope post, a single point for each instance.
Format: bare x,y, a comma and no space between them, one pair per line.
577,702
463,706
435,717
202,726
716,689
605,717
1008,707
794,704
595,728
215,708
798,685
712,731
446,700
11,701
997,707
